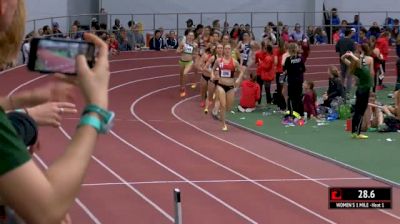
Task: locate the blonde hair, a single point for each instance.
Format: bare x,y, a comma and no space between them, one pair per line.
12,37
292,49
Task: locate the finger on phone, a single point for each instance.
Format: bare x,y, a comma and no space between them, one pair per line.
81,65
103,49
66,78
66,105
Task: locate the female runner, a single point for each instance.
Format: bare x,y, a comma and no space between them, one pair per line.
206,75
219,52
226,69
188,50
246,49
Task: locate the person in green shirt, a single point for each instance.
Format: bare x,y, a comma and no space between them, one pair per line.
362,67
45,196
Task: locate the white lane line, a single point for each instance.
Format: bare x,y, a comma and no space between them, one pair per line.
97,160
224,181
80,204
278,140
124,182
183,178
215,162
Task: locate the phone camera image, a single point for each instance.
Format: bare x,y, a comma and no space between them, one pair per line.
56,55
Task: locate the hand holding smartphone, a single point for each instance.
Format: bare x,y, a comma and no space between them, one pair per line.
58,55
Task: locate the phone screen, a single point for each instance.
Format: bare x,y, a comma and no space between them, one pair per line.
59,55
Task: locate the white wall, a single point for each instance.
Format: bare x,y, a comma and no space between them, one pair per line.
195,7
370,11
38,9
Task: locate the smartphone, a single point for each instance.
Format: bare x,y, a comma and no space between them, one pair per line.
58,55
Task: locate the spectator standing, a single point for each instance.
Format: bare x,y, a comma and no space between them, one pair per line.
344,45
295,68
382,43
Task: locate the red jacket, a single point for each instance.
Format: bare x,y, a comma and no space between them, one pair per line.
267,68
278,54
383,44
309,103
260,55
250,93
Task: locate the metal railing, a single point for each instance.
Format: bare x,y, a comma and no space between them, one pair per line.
177,21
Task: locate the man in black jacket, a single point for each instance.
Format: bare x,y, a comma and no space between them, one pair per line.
156,42
344,45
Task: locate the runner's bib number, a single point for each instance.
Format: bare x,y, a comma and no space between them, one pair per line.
244,56
188,49
226,73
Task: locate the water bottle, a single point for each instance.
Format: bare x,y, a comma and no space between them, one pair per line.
305,116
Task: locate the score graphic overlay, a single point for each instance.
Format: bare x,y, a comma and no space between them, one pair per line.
360,197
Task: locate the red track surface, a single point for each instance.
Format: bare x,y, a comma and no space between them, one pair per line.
160,143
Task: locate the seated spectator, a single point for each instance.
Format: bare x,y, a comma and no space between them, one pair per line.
343,27
172,41
250,93
335,36
269,34
285,34
297,35
335,88
123,43
372,116
47,31
320,36
156,42
374,30
309,99
388,117
56,30
136,38
113,45
117,26
311,34
75,34
363,36
40,32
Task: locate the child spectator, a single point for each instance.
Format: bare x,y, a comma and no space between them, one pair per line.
320,36
383,44
113,45
259,58
309,99
250,93
268,72
335,88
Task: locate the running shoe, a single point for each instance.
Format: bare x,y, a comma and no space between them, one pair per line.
193,86
206,111
225,128
379,87
360,136
182,93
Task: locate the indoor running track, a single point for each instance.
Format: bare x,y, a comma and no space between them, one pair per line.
161,142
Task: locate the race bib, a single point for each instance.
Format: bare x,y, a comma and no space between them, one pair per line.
244,57
226,73
188,49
